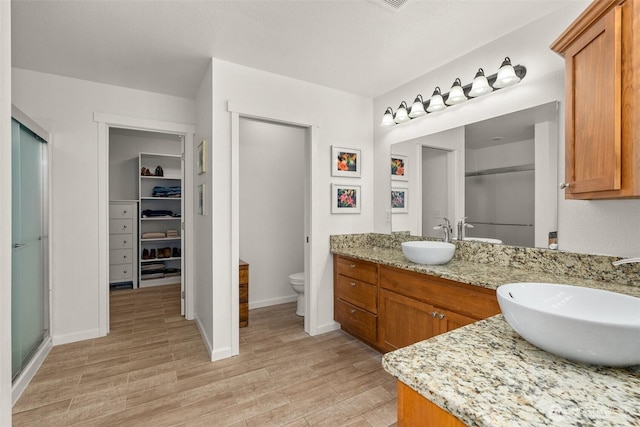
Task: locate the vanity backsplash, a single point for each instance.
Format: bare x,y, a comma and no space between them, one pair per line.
585,266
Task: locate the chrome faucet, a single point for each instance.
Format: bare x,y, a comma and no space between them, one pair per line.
446,228
462,224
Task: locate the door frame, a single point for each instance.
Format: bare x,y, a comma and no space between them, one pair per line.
105,122
237,110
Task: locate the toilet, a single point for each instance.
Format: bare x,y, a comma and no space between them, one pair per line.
297,283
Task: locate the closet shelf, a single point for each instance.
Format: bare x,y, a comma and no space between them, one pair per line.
161,198
160,177
162,239
161,218
143,261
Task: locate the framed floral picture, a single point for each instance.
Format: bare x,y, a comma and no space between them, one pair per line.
345,162
399,200
399,167
345,198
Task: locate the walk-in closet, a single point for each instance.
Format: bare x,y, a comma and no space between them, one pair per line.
146,177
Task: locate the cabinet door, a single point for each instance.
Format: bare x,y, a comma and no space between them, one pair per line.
404,321
449,320
593,82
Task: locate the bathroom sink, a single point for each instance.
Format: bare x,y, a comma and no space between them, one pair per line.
581,324
428,252
483,240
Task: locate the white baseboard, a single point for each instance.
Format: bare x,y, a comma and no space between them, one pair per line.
76,336
323,329
271,301
25,377
220,354
207,343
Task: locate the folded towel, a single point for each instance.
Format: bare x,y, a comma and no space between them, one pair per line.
153,235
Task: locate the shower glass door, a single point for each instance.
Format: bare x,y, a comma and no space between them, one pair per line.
29,293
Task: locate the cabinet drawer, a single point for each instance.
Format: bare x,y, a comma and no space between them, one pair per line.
468,300
120,211
120,226
357,269
120,241
243,292
120,272
358,293
356,321
120,256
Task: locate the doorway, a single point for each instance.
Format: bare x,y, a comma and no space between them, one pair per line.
105,123
272,170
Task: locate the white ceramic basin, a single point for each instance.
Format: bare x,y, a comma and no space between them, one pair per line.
427,252
581,324
483,240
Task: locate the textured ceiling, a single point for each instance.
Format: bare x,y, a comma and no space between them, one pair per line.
359,46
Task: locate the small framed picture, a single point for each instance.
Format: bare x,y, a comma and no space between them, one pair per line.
345,162
202,203
201,161
399,200
399,167
345,199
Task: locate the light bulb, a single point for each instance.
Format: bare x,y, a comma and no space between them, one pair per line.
436,103
506,75
480,85
401,114
417,108
387,119
456,94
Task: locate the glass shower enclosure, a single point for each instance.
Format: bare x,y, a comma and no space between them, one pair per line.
29,278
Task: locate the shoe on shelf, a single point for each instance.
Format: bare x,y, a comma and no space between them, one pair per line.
159,171
152,255
167,252
145,253
175,253
143,171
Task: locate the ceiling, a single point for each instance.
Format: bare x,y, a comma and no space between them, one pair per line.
359,46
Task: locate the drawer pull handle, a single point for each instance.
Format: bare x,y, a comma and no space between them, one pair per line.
124,256
441,316
124,212
124,227
124,271
352,265
353,310
353,283
124,242
433,313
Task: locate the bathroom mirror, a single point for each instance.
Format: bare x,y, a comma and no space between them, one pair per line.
500,173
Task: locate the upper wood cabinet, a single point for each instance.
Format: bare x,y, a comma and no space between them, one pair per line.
602,82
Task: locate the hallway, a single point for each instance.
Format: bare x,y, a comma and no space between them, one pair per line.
153,369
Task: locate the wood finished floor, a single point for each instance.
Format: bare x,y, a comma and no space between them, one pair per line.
152,370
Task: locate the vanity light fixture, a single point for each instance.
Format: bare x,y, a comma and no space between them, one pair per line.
456,94
480,85
417,108
436,102
507,75
402,115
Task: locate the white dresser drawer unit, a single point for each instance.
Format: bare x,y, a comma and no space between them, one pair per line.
123,243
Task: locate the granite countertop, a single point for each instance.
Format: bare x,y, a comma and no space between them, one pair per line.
485,374
482,274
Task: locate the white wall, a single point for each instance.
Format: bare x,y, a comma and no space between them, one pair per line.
272,185
123,158
203,239
67,105
338,118
435,191
601,227
5,213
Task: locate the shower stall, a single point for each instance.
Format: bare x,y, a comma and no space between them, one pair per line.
30,339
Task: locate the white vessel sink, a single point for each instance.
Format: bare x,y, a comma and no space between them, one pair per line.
581,324
483,240
428,252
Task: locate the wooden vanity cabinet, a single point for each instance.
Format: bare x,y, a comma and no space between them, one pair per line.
355,290
602,79
414,307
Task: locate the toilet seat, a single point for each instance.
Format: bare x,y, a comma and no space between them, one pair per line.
297,278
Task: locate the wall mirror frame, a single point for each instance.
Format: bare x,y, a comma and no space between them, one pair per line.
500,173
